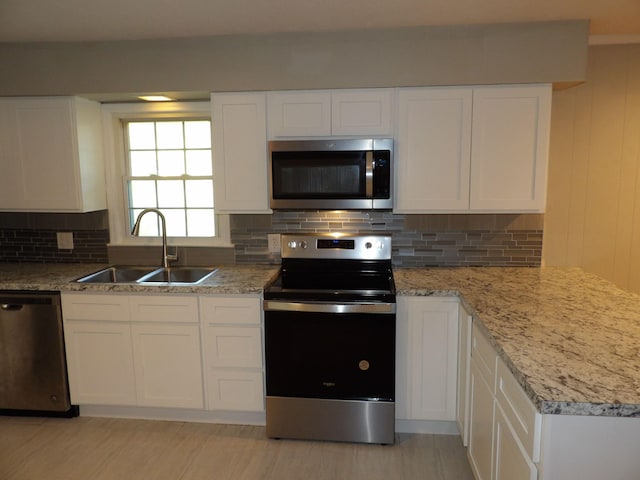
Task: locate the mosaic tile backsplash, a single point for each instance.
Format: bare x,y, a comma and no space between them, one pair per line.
418,240
31,237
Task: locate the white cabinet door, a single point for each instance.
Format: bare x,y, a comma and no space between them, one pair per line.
99,362
481,412
299,114
51,155
12,194
464,367
511,459
361,112
240,152
164,308
431,371
232,328
236,390
234,346
133,349
432,152
510,148
230,310
168,365
324,113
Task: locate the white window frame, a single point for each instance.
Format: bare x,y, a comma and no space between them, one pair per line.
116,170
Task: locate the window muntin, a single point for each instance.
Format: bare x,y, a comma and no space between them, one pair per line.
169,167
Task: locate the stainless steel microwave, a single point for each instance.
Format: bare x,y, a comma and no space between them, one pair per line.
342,174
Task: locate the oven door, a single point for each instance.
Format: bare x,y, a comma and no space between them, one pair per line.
344,352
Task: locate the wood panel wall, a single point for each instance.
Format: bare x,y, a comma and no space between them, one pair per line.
593,202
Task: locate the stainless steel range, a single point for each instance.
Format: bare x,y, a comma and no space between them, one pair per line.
330,340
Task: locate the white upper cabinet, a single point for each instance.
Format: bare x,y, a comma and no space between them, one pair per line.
432,151
299,114
240,152
510,148
330,113
361,112
51,155
482,149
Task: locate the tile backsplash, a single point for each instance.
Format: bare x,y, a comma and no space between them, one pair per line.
418,240
31,237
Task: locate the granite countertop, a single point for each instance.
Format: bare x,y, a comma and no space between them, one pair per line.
571,338
232,279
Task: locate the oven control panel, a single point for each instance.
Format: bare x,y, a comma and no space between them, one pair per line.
336,246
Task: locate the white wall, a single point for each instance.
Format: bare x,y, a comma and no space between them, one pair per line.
480,54
593,201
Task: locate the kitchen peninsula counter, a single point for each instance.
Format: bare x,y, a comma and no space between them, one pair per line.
228,279
570,338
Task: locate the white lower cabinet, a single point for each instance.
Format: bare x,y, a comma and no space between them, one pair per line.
512,461
427,358
480,451
119,355
464,372
504,426
100,362
232,332
167,365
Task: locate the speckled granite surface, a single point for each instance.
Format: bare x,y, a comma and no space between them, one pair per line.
240,279
570,338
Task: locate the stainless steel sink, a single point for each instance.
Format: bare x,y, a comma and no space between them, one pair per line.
186,275
117,274
149,275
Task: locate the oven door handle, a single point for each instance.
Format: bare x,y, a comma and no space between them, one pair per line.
323,307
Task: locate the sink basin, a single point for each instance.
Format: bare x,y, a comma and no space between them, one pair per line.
117,274
188,275
149,275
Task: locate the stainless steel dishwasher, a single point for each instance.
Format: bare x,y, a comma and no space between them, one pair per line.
33,370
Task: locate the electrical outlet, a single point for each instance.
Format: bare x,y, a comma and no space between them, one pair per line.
274,242
65,240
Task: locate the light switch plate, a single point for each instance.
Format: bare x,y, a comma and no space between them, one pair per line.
274,242
65,240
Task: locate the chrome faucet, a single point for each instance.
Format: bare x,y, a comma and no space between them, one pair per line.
136,231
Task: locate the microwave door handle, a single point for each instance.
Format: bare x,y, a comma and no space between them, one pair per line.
369,174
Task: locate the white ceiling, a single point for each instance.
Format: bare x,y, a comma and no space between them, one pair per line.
103,20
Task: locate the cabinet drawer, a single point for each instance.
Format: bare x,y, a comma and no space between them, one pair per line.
234,347
238,310
519,411
148,308
95,307
235,390
485,356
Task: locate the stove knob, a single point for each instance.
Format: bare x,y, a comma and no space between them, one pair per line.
368,245
303,244
293,244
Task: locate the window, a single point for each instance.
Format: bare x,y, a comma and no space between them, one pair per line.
169,168
159,155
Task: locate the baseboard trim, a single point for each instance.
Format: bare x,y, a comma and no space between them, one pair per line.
242,418
174,414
